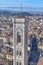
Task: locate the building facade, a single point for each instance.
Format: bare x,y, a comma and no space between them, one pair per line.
20,31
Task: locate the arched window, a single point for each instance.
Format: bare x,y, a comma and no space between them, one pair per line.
19,63
18,37
20,53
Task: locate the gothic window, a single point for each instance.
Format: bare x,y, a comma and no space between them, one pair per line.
18,37
19,63
16,63
17,52
20,53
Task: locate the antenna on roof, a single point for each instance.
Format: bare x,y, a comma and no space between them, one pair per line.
21,9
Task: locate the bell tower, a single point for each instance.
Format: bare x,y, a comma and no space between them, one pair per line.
20,40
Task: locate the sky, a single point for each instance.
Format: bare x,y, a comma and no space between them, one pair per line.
25,3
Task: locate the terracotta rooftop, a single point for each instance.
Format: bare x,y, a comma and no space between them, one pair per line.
40,61
20,17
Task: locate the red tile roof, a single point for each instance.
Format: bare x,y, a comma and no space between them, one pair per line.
40,61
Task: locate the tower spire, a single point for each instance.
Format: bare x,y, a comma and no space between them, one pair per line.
21,9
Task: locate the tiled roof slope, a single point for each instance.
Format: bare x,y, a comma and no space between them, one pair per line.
40,61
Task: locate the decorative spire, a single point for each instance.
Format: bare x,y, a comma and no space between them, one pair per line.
21,9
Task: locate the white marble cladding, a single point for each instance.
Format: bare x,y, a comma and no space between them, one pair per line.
20,20
21,26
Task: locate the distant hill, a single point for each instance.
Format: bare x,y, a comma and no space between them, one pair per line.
13,13
16,13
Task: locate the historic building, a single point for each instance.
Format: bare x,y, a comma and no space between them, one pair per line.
20,30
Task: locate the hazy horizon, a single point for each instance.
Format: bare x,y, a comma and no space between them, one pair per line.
34,5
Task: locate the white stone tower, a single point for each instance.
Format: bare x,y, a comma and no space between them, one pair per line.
20,31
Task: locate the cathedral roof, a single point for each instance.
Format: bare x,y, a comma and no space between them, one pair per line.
40,62
20,17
